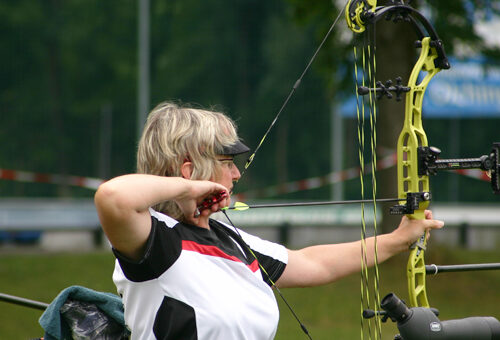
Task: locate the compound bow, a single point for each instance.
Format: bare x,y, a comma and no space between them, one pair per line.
415,159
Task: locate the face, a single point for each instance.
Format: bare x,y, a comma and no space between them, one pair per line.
229,172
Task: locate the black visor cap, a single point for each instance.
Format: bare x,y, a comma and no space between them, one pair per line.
235,149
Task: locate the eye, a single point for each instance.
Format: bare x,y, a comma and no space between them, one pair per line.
229,162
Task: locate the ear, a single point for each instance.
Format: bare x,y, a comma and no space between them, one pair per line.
187,170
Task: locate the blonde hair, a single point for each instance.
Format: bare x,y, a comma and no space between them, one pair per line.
173,134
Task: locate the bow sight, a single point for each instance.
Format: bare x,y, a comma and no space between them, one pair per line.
429,164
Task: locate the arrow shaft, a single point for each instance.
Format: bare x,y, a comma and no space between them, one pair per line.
305,204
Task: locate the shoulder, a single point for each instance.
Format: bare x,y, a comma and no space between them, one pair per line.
161,250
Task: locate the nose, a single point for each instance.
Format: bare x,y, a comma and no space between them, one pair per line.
235,173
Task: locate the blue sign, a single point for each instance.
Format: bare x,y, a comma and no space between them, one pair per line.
470,89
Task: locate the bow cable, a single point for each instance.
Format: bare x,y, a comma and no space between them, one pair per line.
292,91
373,134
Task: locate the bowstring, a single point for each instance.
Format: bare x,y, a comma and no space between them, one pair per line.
360,130
292,91
373,128
368,62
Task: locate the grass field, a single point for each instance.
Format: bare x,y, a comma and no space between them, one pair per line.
330,312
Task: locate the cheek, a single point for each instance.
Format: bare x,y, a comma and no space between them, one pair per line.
218,175
225,177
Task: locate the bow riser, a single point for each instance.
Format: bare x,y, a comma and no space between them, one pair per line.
411,137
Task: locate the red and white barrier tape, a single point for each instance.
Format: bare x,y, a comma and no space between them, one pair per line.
474,173
336,177
26,176
285,188
315,182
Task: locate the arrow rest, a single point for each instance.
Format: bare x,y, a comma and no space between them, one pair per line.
413,200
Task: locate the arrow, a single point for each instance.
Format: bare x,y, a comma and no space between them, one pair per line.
240,206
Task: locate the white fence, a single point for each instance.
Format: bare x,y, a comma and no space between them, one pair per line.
472,225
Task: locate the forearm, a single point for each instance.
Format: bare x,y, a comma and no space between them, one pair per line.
138,192
123,202
324,264
347,258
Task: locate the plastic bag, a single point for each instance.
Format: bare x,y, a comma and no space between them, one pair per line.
87,321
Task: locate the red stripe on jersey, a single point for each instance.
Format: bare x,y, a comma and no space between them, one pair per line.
214,251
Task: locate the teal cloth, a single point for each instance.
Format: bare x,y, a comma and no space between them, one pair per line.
55,329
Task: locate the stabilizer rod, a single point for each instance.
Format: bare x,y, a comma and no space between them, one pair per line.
23,302
435,269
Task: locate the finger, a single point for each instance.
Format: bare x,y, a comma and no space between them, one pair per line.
220,205
436,224
214,202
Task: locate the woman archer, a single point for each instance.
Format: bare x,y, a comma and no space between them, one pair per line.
184,275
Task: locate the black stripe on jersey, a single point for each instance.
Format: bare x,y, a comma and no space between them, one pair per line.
273,267
175,320
162,250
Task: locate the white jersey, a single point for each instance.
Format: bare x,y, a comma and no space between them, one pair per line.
195,283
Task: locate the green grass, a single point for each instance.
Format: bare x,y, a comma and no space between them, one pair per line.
41,277
330,312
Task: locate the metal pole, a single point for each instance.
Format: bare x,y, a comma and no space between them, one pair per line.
105,131
143,69
23,302
337,147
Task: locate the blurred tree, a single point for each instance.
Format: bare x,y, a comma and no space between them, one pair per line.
67,62
244,56
64,61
